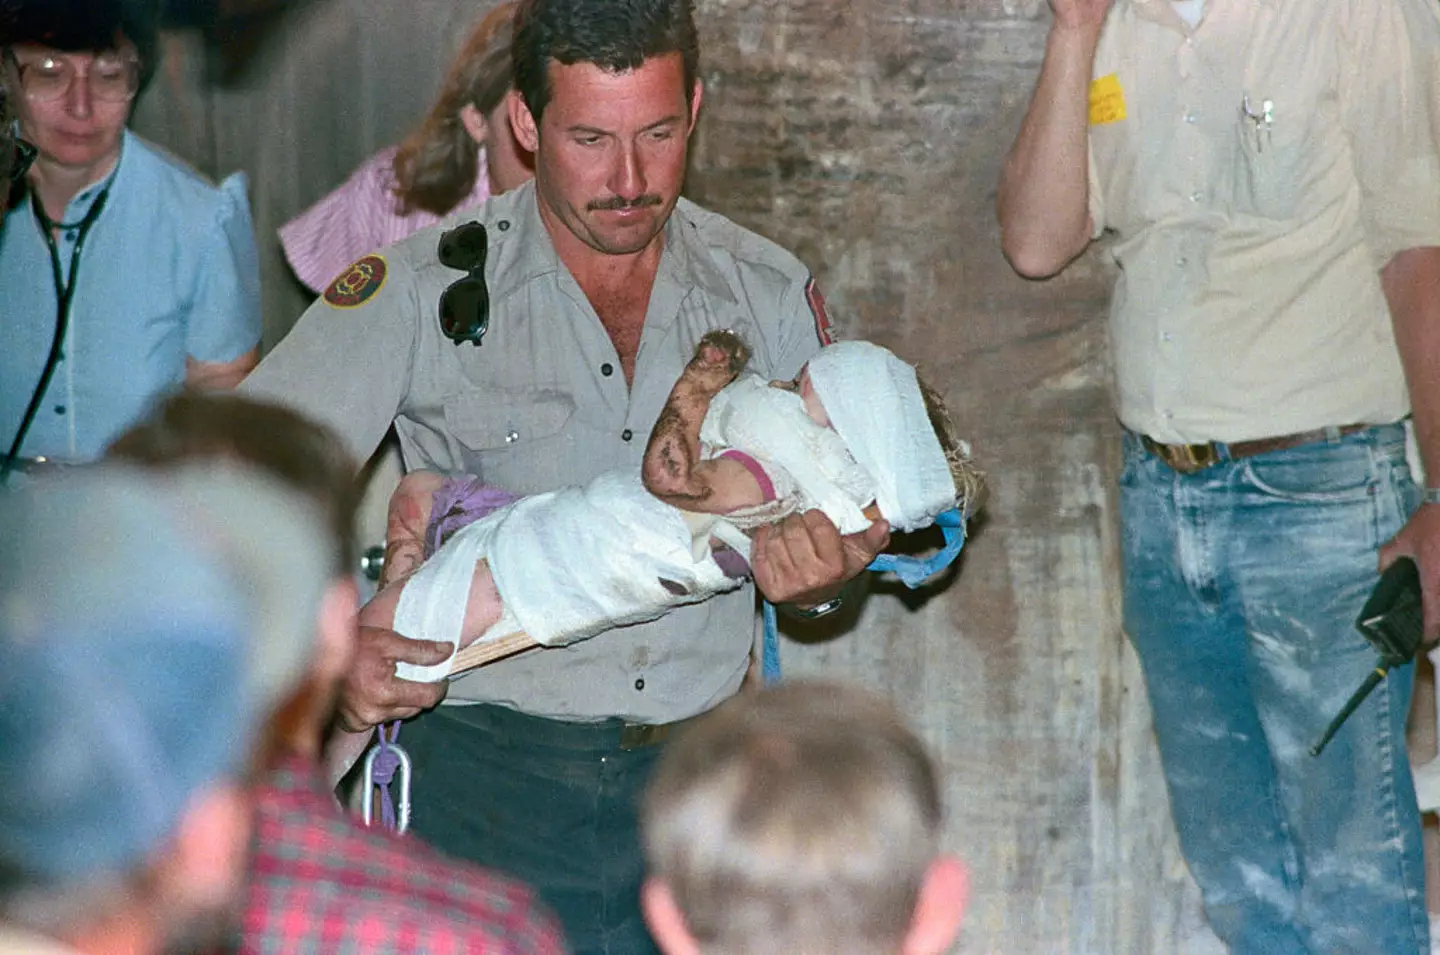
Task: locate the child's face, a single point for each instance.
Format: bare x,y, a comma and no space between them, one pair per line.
802,386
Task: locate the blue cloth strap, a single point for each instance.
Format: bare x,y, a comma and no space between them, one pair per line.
912,571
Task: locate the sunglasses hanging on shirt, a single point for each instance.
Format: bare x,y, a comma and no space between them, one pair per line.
465,305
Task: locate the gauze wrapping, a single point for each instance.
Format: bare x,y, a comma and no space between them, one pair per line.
808,464
567,564
874,403
432,604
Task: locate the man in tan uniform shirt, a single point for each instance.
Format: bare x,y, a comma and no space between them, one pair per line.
1270,170
600,283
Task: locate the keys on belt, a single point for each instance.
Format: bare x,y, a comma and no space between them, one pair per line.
1190,458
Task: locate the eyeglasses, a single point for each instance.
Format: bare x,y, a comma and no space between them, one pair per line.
465,305
23,156
113,77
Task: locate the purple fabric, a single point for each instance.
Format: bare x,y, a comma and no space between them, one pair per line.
382,771
460,501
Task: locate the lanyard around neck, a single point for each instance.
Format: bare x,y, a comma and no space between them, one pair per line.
65,284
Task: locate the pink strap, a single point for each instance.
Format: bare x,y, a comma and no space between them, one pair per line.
767,489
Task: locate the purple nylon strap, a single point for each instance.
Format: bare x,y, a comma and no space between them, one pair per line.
382,770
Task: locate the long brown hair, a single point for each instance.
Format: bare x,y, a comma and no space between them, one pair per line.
436,165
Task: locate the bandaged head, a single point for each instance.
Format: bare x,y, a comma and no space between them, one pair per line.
874,403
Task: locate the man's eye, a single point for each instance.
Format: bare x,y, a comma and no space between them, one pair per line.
587,140
660,135
49,67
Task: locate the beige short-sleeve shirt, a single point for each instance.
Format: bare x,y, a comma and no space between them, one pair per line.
1258,171
543,403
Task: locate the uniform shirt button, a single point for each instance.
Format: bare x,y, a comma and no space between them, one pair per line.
626,435
503,225
640,683
512,436
59,409
607,369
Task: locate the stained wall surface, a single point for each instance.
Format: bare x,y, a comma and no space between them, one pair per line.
867,137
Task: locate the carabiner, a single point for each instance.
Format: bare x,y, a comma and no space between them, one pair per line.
367,799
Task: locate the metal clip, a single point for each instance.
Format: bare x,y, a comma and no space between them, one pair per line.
367,799
1262,120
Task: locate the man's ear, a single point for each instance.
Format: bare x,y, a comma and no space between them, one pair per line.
695,104
940,907
474,122
527,131
665,920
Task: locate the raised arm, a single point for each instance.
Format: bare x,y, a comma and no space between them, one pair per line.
1043,200
672,469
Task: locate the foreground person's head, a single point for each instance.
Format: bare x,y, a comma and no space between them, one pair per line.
307,459
134,690
802,819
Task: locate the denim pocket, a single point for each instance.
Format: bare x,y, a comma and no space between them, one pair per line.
1319,473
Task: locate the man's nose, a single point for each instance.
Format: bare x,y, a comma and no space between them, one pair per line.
628,179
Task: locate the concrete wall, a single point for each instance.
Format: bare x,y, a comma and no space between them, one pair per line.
866,136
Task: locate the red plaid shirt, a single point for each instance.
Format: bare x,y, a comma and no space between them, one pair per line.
322,882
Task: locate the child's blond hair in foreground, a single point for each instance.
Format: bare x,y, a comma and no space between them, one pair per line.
802,819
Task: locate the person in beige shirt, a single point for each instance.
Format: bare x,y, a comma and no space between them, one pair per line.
1268,173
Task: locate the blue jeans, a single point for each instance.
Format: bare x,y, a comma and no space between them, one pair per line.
1242,585
555,805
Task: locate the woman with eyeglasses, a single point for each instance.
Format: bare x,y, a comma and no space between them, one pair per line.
126,274
462,153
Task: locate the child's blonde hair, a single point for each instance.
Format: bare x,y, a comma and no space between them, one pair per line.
800,819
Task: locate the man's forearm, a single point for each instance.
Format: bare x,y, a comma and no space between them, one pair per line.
1411,282
1043,200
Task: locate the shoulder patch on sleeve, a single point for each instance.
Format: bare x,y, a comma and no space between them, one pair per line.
358,283
824,330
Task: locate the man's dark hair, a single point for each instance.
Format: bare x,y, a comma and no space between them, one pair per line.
615,35
84,26
301,454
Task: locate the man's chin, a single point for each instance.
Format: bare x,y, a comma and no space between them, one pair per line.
625,241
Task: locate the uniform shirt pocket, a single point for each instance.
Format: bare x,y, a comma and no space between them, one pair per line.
511,437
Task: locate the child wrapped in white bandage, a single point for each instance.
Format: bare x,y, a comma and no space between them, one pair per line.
855,430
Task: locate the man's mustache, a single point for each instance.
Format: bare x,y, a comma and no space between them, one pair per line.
616,203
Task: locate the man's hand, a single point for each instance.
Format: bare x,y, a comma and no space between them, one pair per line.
372,694
1420,539
804,560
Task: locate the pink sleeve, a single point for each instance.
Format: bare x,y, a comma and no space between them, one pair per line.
342,226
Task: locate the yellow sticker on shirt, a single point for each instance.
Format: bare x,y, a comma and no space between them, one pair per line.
1107,100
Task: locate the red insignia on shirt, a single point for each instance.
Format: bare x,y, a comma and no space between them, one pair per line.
823,329
358,283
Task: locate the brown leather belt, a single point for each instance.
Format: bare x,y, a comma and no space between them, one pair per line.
1190,458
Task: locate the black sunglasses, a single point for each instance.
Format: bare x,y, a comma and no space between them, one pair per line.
465,305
